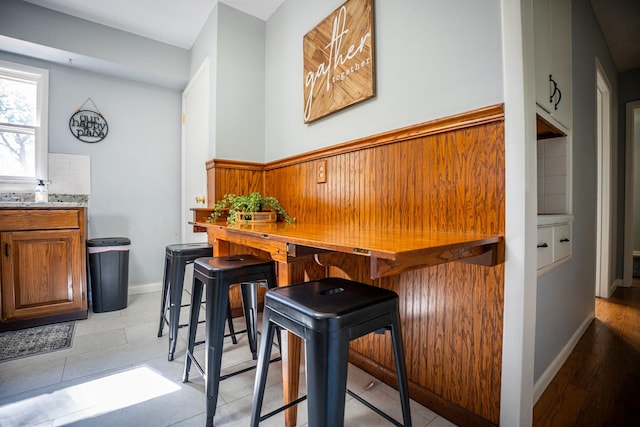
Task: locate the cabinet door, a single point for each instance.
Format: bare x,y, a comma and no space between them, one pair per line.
41,273
561,61
542,51
552,44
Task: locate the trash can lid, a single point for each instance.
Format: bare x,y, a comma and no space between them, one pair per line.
109,241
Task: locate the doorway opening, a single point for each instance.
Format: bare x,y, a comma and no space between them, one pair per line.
604,283
631,274
194,150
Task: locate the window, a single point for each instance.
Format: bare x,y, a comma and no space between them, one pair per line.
23,126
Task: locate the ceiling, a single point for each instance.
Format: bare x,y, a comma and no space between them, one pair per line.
175,22
179,22
620,23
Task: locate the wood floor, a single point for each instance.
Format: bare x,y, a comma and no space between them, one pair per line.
599,385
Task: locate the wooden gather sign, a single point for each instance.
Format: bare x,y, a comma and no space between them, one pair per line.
338,60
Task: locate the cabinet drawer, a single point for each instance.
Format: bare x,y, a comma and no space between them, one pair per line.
561,242
39,219
545,246
554,245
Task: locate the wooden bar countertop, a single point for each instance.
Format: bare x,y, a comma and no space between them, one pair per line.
391,251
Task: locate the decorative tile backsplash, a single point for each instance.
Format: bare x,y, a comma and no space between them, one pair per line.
69,181
69,174
553,194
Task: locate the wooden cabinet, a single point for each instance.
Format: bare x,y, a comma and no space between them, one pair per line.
43,266
552,39
554,241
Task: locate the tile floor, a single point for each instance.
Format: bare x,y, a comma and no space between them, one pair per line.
117,374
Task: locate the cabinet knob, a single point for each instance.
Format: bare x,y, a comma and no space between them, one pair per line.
543,245
564,240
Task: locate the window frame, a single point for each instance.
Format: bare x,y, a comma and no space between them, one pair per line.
40,76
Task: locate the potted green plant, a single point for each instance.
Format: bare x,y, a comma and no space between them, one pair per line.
246,208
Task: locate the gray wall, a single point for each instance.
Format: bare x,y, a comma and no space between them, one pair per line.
240,108
636,180
234,44
206,47
33,30
433,58
256,109
135,170
629,90
565,297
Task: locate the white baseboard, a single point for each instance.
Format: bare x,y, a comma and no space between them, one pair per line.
145,289
616,284
545,379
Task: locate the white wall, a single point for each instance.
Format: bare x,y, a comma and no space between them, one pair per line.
433,58
516,394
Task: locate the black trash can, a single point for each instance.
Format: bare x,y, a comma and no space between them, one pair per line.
109,272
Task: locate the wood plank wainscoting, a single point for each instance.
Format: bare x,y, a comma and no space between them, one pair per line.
442,175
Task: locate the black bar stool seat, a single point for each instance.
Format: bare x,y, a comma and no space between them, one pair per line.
218,274
327,314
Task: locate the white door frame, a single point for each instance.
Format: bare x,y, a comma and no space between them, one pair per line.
188,148
629,230
603,220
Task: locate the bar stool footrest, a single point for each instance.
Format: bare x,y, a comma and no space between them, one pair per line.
283,408
352,394
229,375
242,371
184,325
181,325
374,409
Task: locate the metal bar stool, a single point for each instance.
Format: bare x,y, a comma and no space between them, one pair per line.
177,257
327,314
218,274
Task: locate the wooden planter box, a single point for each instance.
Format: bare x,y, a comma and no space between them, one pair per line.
254,217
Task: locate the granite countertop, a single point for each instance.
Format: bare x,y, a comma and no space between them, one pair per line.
27,200
4,204
551,219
